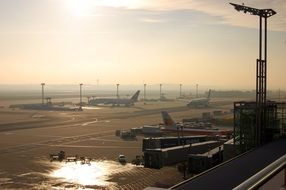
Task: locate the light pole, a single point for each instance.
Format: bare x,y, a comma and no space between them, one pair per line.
160,92
88,99
180,90
145,92
197,90
117,85
261,67
178,133
80,95
43,93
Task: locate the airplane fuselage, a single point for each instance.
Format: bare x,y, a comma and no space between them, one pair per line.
115,101
188,131
203,102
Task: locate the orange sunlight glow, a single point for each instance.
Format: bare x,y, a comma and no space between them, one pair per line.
80,7
84,7
122,3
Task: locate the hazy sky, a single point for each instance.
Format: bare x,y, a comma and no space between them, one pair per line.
136,41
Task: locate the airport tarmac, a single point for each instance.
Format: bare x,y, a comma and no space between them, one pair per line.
27,137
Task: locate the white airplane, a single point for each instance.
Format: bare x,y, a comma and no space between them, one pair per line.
115,101
200,102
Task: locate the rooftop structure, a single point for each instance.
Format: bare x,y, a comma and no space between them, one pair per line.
160,157
274,124
243,171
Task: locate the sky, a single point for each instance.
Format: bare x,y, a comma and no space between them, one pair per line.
138,41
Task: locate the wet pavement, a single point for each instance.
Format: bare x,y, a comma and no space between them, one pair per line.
100,174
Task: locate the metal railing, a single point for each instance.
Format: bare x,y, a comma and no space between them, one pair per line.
261,178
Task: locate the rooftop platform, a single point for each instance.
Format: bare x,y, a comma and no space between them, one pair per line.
234,172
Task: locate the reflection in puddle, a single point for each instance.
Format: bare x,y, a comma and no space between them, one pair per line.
98,173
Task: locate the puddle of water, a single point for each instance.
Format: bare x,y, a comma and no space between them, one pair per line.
98,173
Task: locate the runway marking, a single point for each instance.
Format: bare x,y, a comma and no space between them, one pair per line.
90,122
5,179
91,108
38,116
87,146
18,134
8,133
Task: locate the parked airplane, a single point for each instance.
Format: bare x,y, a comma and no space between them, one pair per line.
200,102
115,101
171,126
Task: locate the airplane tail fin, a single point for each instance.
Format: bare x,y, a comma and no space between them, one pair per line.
209,94
168,121
135,96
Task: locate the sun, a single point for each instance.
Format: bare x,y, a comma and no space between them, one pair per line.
122,3
80,7
84,7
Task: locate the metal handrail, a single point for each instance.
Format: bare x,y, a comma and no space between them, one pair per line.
264,175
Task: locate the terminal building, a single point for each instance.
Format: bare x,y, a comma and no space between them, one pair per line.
247,134
166,142
260,168
160,157
198,163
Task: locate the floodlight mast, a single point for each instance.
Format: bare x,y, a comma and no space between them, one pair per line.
43,93
80,95
265,13
261,67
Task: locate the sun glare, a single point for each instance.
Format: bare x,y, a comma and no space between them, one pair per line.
85,7
98,173
80,7
122,3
